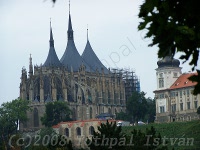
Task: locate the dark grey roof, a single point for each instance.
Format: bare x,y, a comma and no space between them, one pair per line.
168,61
71,58
52,58
92,60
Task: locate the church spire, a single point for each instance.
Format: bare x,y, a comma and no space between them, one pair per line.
70,30
30,66
51,41
52,58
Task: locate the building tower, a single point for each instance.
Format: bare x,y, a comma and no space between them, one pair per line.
167,73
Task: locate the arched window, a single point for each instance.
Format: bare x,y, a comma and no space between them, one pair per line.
83,96
115,111
47,87
108,97
91,130
74,114
109,111
161,82
59,95
89,97
37,89
35,117
78,131
67,132
90,112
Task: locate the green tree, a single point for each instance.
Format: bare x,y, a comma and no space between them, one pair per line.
198,110
11,113
148,140
174,26
136,106
123,116
55,112
151,110
107,134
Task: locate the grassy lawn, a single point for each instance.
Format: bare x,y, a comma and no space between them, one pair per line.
181,133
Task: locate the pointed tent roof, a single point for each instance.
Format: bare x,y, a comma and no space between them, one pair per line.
52,58
71,57
92,60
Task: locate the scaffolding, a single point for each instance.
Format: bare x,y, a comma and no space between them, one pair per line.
130,79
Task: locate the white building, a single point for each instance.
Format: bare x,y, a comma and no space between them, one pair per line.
174,98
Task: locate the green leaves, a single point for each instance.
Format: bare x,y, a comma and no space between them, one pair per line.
173,25
55,112
102,139
198,110
137,106
196,78
11,113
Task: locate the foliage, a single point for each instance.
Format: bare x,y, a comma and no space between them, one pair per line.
136,106
174,27
151,110
102,138
187,129
198,110
55,112
146,140
55,141
123,116
11,113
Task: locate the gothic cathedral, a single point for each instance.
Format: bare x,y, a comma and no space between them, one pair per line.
82,81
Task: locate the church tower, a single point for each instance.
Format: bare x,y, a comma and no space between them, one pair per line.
167,72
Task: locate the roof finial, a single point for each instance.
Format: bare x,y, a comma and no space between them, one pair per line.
87,32
51,36
69,6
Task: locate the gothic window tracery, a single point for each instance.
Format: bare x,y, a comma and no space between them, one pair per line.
59,95
37,89
89,97
47,87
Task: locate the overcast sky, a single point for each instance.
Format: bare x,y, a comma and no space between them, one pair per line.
113,34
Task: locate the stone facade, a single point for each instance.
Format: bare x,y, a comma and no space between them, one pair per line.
88,94
79,131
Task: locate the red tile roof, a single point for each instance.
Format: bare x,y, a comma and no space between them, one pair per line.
56,126
183,81
70,123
